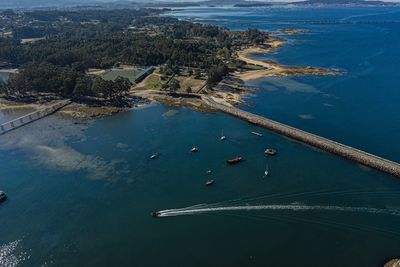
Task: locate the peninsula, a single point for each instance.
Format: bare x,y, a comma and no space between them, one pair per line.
115,58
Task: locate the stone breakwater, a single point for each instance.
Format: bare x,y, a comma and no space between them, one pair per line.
322,143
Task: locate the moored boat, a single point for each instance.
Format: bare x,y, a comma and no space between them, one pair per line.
3,196
270,151
258,134
210,182
234,160
209,172
154,156
266,172
223,137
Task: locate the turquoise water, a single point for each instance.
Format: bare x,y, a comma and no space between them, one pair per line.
80,193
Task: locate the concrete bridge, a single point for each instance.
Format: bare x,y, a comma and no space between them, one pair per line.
28,118
322,143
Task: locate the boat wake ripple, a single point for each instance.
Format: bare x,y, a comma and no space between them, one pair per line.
202,209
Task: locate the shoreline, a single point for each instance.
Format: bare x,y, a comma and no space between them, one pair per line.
228,92
272,68
231,89
236,89
176,99
75,110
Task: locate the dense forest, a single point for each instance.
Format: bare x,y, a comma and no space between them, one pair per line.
78,40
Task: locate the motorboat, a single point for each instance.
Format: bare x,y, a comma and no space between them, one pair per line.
210,182
194,149
223,137
3,196
266,172
270,152
234,160
154,156
155,214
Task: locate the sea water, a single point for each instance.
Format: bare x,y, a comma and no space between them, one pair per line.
81,192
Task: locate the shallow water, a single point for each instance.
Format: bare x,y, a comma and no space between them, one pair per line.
13,113
4,76
81,194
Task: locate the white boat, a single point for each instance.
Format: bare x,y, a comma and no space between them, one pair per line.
210,182
154,156
194,149
266,172
209,172
223,137
258,134
270,152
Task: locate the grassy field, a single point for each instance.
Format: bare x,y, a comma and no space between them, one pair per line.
189,81
129,73
153,81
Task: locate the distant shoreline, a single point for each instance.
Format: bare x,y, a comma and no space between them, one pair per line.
206,20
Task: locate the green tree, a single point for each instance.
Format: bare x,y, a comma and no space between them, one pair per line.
174,85
216,74
197,74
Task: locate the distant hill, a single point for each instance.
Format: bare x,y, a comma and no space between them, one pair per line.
39,3
344,2
64,3
253,4
175,3
55,3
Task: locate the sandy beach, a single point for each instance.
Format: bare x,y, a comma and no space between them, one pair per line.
271,68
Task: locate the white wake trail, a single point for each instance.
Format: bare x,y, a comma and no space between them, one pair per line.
185,211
